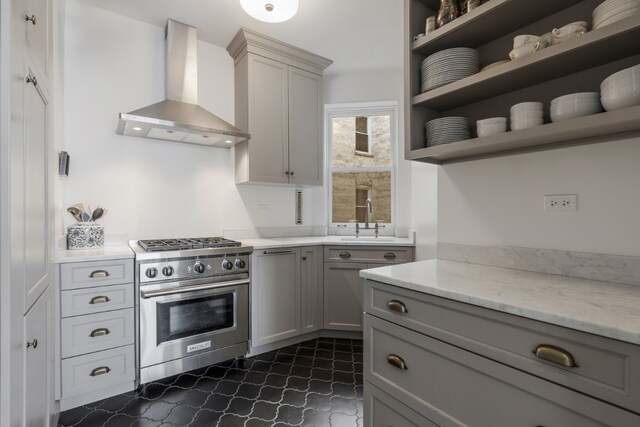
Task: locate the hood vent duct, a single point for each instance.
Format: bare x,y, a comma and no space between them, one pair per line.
179,118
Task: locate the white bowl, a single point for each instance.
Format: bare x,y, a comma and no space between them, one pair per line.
527,115
566,37
628,74
526,106
492,121
620,97
492,129
525,123
572,97
565,110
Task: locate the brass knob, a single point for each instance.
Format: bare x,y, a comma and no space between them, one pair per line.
304,258
32,79
32,344
31,18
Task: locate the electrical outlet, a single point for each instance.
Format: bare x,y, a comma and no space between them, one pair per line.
561,202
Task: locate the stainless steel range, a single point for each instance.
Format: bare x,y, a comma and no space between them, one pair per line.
193,305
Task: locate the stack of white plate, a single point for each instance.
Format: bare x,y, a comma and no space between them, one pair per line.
614,10
622,89
575,105
447,129
526,115
449,66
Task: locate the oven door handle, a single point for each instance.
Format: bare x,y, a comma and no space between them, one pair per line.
187,289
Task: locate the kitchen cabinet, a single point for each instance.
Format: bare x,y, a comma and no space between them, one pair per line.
430,353
25,212
342,283
576,65
97,330
278,94
286,293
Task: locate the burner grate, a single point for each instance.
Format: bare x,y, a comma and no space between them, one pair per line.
158,245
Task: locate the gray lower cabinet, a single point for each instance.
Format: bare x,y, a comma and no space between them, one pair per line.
37,356
97,330
343,285
286,293
444,361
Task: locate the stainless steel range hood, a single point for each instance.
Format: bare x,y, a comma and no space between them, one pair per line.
179,118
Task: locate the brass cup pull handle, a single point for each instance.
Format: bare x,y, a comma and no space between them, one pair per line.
389,255
555,355
99,332
99,274
398,306
345,255
100,371
397,361
101,299
32,344
32,79
31,19
304,258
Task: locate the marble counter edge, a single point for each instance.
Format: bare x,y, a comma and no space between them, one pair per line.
290,242
618,332
99,254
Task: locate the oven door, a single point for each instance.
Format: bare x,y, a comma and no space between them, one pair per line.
179,321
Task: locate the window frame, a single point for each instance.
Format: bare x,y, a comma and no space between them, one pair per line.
382,108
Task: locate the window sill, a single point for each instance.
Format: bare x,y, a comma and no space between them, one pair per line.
363,153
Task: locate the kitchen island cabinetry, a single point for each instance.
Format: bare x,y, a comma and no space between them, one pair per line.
342,283
473,363
97,330
279,102
576,65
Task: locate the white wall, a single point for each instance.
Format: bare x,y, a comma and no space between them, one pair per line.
500,201
152,189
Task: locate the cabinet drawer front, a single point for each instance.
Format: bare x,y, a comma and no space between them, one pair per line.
454,387
99,273
95,300
382,410
95,332
86,374
604,366
378,255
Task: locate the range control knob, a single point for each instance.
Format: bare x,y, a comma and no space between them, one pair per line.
167,271
151,272
227,265
240,263
198,268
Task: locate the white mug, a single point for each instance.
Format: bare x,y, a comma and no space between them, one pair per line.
524,50
523,39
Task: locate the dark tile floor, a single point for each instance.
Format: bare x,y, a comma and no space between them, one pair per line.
315,383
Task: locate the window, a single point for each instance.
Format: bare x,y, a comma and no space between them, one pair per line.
361,141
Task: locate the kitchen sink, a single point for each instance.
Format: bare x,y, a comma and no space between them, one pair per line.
368,239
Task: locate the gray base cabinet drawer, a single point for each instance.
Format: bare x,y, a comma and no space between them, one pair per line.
95,332
381,410
454,387
75,275
85,374
605,367
367,254
96,299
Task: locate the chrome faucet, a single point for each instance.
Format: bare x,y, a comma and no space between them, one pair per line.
367,210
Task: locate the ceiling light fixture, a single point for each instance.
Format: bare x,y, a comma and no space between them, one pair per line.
271,10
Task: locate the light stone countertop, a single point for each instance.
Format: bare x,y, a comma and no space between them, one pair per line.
288,242
601,308
99,254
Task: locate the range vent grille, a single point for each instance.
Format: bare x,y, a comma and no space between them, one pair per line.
298,207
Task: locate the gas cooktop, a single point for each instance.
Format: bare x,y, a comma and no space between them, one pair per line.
185,244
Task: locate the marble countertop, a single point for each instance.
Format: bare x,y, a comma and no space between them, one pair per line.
98,254
601,308
287,242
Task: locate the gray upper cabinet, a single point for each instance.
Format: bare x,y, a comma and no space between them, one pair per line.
37,13
278,92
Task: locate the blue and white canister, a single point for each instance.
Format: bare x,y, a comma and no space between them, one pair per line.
85,236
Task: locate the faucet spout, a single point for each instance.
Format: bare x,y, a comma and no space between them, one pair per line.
367,211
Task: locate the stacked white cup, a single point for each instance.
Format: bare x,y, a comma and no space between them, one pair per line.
526,115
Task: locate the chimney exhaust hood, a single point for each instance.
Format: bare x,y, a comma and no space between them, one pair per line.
179,118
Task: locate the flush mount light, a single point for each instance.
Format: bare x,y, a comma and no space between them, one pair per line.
271,10
137,128
229,141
